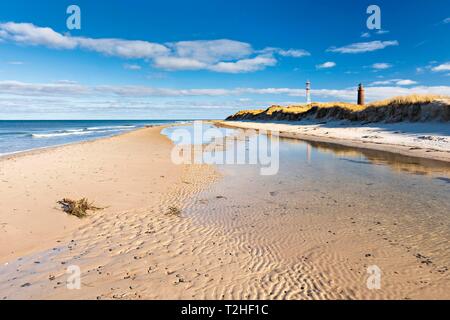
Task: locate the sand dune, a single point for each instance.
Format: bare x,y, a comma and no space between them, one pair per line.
414,108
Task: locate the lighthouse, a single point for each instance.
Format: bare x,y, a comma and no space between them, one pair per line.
308,92
360,94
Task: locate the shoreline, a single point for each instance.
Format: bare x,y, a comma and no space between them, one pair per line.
311,131
34,180
43,149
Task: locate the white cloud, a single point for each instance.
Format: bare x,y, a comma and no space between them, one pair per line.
59,100
103,93
130,49
46,89
177,63
364,46
222,55
29,34
245,65
381,66
405,82
382,31
212,51
398,82
295,53
446,20
326,65
129,66
66,81
442,67
365,35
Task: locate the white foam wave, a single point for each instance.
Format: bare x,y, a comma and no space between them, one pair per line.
110,127
71,133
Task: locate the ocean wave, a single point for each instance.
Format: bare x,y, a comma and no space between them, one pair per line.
110,127
60,134
82,131
72,133
12,133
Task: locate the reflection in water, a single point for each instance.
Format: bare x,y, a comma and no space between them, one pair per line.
443,179
395,161
311,230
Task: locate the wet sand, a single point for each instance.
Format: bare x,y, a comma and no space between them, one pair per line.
309,232
312,230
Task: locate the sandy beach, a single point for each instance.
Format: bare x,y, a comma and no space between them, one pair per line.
214,162
131,175
119,173
223,245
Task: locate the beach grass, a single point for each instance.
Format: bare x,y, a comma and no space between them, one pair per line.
347,110
408,100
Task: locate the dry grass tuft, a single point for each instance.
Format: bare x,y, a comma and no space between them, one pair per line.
324,105
407,100
173,211
254,112
78,208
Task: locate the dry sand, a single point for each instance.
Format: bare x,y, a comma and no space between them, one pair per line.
125,172
424,140
134,250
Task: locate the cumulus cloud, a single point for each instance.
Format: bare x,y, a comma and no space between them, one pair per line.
326,65
381,66
361,47
222,55
442,67
29,34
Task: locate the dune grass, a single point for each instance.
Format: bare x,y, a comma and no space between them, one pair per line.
78,208
407,100
302,108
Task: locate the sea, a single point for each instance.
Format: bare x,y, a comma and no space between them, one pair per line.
23,135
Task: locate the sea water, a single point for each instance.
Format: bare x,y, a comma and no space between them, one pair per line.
22,135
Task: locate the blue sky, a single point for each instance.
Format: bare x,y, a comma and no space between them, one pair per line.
208,59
